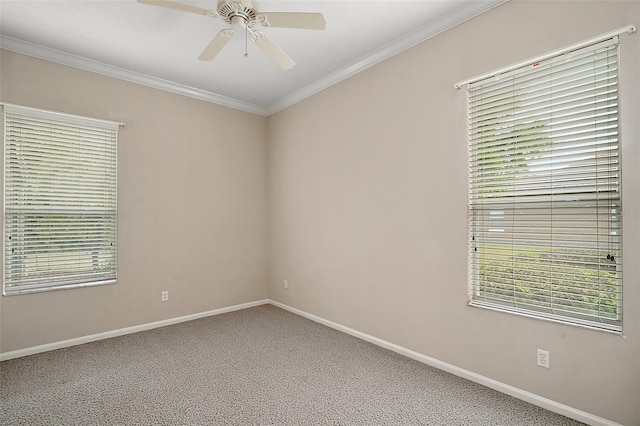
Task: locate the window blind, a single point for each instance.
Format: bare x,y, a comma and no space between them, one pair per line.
544,189
59,200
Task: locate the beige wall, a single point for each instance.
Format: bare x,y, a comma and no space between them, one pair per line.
368,197
192,206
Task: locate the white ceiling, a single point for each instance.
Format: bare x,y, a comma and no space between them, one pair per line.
159,47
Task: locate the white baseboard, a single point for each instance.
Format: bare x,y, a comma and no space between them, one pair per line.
556,407
523,395
122,331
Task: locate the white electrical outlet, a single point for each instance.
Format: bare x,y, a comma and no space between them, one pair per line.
543,358
165,296
286,284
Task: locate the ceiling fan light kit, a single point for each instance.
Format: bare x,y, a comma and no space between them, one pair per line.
244,14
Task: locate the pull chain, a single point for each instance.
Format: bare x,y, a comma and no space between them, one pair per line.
246,41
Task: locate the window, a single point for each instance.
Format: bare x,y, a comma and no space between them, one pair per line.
59,200
544,189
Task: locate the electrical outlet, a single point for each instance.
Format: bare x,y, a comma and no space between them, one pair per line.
165,296
286,284
543,358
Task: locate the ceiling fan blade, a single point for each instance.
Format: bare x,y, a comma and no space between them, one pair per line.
272,50
216,45
306,21
179,6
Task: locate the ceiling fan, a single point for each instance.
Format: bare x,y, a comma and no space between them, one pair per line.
244,15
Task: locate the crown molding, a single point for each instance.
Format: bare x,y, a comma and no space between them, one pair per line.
53,55
430,29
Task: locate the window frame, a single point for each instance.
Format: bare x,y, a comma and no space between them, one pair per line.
107,216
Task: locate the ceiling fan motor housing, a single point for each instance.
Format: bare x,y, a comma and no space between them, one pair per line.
238,12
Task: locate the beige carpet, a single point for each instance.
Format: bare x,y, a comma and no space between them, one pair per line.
259,366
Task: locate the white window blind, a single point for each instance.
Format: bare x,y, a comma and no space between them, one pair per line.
544,189
59,200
